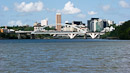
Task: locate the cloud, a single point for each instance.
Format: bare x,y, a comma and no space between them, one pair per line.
124,4
30,7
92,13
50,10
69,9
81,15
15,23
5,8
106,7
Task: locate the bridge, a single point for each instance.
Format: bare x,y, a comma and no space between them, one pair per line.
71,35
23,32
19,33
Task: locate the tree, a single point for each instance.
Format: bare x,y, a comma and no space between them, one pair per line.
121,32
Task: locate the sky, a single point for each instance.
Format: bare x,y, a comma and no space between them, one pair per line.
22,12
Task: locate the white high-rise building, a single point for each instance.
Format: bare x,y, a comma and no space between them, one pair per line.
44,22
97,25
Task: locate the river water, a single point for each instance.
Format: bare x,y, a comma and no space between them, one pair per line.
65,56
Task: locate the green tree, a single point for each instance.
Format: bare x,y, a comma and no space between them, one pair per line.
122,31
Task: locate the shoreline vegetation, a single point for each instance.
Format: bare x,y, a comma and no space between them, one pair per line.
121,32
14,36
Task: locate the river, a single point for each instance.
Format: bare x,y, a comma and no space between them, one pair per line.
65,56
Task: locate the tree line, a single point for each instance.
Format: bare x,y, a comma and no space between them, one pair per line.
120,32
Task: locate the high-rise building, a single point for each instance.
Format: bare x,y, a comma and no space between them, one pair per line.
58,21
96,24
44,22
58,18
58,27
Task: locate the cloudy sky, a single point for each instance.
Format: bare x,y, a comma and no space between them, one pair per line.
21,12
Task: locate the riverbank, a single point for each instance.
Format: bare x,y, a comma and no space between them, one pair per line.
23,36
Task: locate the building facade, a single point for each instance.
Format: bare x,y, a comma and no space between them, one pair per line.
58,22
58,18
37,28
76,24
97,25
44,22
36,24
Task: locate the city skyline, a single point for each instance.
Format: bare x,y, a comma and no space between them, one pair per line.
27,12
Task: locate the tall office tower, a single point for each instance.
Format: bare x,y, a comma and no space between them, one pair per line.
44,22
58,21
95,24
58,18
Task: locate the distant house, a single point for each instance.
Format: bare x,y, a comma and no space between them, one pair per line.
6,30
